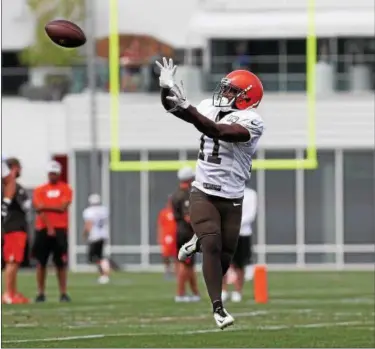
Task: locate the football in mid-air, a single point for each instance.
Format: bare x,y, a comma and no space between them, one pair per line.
65,33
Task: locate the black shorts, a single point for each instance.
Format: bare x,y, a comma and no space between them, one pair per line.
95,252
243,255
45,245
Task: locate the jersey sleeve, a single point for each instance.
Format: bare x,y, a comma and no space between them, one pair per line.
87,215
254,126
5,171
105,213
203,106
251,121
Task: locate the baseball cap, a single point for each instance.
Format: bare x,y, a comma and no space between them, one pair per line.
185,173
54,167
94,199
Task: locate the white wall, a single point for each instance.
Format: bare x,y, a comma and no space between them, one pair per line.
16,25
167,20
266,5
344,120
33,131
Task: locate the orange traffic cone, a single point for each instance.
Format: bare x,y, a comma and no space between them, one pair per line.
260,284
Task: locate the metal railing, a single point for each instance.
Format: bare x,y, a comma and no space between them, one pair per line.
278,72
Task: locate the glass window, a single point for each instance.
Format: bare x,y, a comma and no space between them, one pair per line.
280,202
353,51
125,204
161,184
359,258
359,197
281,258
320,201
320,258
296,64
260,56
156,258
126,258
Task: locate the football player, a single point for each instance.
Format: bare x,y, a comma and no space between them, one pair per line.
166,226
9,185
230,129
95,231
242,259
14,234
181,207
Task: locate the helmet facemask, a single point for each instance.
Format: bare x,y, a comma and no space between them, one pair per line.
225,95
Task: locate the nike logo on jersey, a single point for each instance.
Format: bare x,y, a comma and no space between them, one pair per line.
236,204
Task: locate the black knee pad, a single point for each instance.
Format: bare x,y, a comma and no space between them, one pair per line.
210,243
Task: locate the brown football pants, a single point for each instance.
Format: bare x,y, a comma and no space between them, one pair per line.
217,222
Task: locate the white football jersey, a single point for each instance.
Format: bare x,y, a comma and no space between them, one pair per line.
223,168
249,210
98,215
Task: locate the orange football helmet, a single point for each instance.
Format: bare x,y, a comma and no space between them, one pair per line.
240,89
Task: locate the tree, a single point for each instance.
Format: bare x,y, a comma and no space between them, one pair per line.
43,52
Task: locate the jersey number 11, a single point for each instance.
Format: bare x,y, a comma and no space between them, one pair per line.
214,157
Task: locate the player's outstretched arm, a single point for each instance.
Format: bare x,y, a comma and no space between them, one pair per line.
171,107
228,133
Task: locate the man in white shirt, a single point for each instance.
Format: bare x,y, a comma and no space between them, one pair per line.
95,231
241,262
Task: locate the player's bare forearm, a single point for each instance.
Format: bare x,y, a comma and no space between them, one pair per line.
168,105
228,133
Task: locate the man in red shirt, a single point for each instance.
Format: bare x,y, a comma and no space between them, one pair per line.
167,237
51,202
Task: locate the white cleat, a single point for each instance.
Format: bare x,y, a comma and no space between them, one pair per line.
223,319
236,297
188,249
182,299
195,298
103,280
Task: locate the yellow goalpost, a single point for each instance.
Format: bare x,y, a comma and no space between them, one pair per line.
116,164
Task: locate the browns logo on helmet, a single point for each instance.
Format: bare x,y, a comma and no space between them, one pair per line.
240,90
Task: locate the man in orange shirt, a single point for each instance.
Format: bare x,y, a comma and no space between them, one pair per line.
167,237
51,202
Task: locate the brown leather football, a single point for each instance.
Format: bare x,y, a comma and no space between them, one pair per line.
65,33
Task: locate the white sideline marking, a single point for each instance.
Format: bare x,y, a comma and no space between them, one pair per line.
316,325
266,328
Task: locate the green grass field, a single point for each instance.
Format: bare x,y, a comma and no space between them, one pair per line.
306,309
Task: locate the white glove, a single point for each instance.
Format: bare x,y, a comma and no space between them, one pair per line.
178,97
167,73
